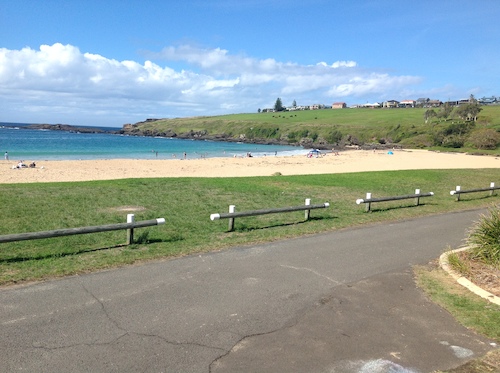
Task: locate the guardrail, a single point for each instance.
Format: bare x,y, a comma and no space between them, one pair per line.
458,190
369,200
233,214
129,226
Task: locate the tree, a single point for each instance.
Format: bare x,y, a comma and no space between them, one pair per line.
258,111
484,138
445,111
429,113
469,111
278,106
294,103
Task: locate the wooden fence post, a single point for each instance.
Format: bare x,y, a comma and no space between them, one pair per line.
232,208
368,204
417,199
307,212
130,232
457,189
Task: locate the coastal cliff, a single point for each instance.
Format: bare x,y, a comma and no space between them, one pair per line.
143,129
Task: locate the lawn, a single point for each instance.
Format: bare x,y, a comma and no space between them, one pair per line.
186,204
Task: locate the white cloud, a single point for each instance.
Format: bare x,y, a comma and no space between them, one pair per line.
60,81
382,84
338,64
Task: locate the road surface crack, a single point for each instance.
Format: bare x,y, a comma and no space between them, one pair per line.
312,271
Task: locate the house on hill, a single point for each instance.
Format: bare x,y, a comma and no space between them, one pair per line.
407,103
422,102
489,100
371,106
339,105
434,103
390,103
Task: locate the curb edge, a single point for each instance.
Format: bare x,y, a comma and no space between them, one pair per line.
444,264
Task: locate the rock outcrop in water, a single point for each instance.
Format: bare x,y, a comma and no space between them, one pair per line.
66,127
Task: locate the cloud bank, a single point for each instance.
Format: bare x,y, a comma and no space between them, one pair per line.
59,83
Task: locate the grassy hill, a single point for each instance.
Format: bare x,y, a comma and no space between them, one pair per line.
326,128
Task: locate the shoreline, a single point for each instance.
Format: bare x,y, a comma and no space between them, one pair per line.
347,161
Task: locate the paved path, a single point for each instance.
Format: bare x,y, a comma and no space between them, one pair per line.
338,302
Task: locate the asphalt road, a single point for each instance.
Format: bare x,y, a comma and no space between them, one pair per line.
344,301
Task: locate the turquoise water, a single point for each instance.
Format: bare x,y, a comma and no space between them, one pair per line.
28,145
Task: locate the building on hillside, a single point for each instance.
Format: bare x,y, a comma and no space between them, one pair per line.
295,108
390,103
422,102
372,106
407,103
433,103
489,101
314,107
339,105
427,103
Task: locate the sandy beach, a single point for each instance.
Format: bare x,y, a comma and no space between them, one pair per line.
347,161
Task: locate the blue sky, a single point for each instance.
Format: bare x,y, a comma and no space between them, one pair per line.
107,63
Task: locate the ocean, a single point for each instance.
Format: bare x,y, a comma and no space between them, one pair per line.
36,145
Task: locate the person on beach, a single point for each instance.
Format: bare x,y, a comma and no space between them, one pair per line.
6,156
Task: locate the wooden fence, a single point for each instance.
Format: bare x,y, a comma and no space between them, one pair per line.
130,225
233,214
369,200
457,192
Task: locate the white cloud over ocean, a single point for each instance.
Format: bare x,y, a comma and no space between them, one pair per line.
59,83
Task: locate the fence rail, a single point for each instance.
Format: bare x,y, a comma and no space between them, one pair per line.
129,226
368,200
232,214
457,192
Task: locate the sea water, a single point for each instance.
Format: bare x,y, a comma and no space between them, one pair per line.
26,144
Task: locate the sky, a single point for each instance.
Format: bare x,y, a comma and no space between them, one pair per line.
113,62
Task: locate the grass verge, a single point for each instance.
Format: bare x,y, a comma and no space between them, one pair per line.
186,204
470,310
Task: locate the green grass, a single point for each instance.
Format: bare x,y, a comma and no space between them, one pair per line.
470,310
458,265
186,204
